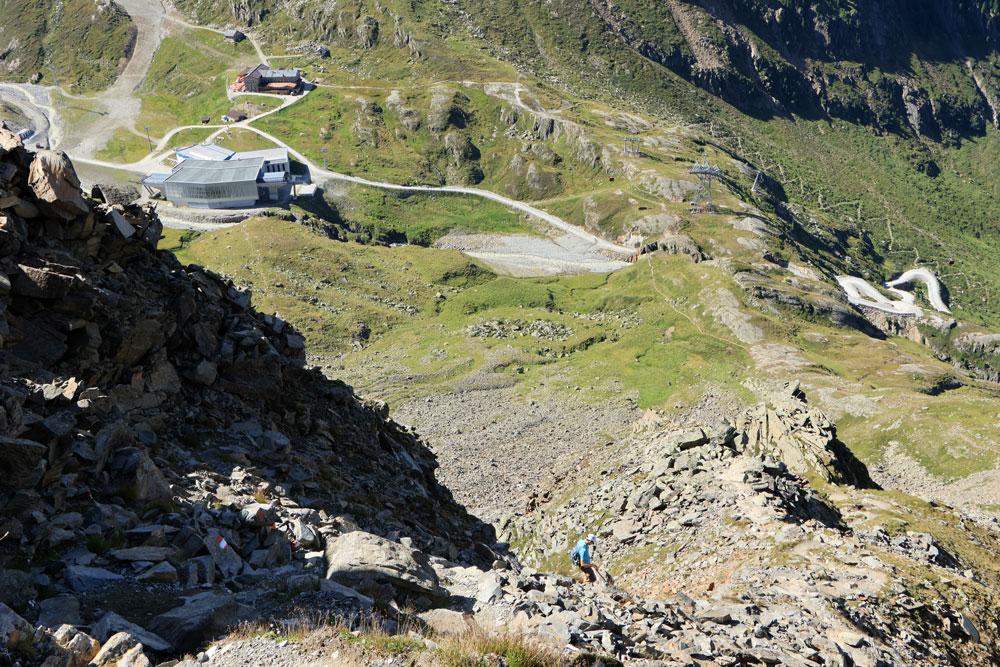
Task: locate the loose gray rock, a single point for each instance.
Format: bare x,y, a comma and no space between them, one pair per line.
62,609
357,557
16,588
115,647
225,557
81,578
445,621
13,628
152,554
111,624
203,616
330,587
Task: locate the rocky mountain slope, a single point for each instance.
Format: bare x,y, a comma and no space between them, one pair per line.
172,468
925,68
175,468
798,570
150,416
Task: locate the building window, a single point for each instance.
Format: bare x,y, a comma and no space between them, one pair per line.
214,191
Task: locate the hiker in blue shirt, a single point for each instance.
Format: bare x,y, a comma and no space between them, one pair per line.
581,556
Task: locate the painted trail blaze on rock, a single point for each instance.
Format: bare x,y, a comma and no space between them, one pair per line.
225,557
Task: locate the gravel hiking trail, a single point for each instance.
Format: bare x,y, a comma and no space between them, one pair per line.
117,106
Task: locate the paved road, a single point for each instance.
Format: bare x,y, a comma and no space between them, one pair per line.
927,278
123,109
861,292
556,222
152,163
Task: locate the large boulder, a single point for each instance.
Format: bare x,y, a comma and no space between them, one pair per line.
41,283
203,617
137,478
16,588
60,610
14,630
82,647
81,578
54,181
111,624
22,463
801,436
359,557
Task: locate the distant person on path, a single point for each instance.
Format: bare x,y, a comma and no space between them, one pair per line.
581,556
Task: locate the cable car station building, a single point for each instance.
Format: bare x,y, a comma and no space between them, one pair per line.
209,176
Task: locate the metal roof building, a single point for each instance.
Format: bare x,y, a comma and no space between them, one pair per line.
279,74
210,176
277,154
215,184
263,79
275,161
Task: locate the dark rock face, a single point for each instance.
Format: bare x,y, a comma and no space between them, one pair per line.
854,63
913,68
202,617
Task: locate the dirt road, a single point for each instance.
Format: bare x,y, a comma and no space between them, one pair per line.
33,102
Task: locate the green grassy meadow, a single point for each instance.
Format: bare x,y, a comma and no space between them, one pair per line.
188,79
395,322
124,147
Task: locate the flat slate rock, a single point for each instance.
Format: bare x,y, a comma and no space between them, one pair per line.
60,610
151,554
358,557
111,624
202,617
81,578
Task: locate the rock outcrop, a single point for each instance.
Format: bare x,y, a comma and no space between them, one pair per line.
801,436
729,556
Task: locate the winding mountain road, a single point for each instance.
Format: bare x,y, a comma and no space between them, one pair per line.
122,107
33,102
152,163
862,293
928,279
